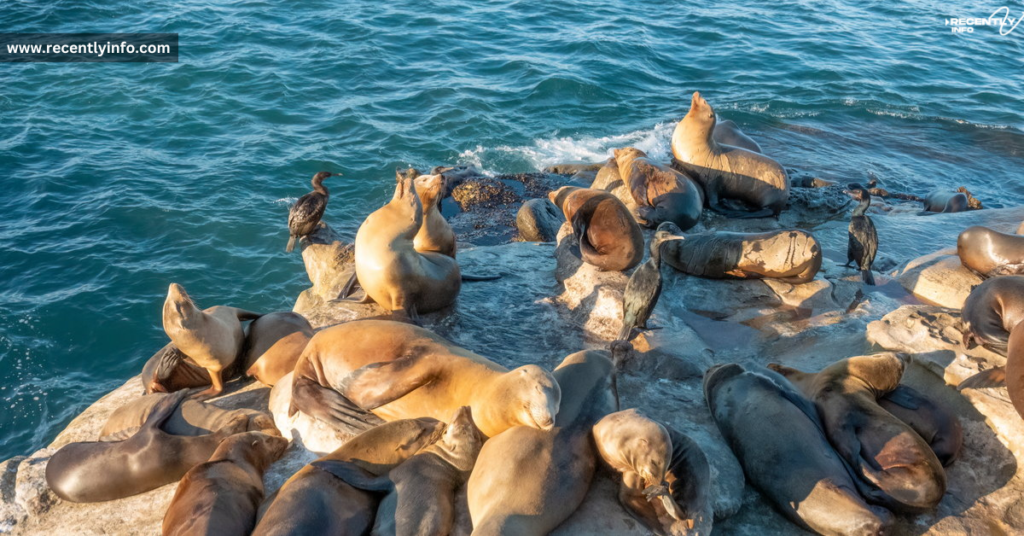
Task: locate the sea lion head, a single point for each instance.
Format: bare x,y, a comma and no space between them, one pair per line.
258,449
558,196
881,373
179,309
168,361
625,155
718,374
407,202
536,395
429,188
416,434
634,439
410,173
462,439
701,116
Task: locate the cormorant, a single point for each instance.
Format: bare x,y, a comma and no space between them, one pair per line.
863,238
306,212
643,289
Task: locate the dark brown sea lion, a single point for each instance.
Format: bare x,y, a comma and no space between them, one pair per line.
991,311
936,424
727,172
775,433
945,202
990,253
609,237
898,466
661,193
220,497
98,471
549,470
190,418
273,345
169,371
727,132
793,255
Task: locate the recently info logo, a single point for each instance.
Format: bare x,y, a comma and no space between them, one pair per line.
1000,18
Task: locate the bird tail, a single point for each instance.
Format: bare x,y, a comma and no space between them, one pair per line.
291,244
868,277
627,330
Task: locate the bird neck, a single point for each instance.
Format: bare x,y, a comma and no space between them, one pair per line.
862,208
318,186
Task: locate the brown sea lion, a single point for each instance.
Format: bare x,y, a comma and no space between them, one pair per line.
169,371
100,470
609,237
990,253
792,255
609,180
435,234
273,345
899,468
776,435
991,310
211,338
1015,368
190,418
661,193
389,268
549,470
401,371
420,498
727,172
727,132
945,202
220,497
314,501
936,424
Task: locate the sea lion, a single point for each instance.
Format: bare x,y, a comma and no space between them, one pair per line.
212,338
945,202
420,492
898,467
305,214
314,501
775,434
991,311
793,256
643,289
936,424
609,237
98,471
661,193
549,470
435,234
389,268
220,497
609,180
1015,368
190,418
665,476
538,220
400,371
727,172
727,132
990,253
572,168
169,371
273,345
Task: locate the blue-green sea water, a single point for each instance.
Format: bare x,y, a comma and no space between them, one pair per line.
118,179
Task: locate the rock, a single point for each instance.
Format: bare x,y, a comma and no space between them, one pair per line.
814,294
11,513
538,221
572,168
939,278
481,193
594,297
32,493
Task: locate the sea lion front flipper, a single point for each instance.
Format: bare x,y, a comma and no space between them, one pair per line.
350,285
330,406
355,476
906,397
377,384
636,504
579,225
244,315
993,377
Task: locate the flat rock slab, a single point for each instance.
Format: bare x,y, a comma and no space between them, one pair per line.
939,278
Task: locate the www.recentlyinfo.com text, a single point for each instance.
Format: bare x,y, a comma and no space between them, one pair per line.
89,47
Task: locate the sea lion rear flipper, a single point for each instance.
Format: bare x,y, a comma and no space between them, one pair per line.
905,397
993,377
377,384
163,410
579,225
355,476
244,315
330,406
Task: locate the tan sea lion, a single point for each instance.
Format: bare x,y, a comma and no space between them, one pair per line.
946,202
190,418
314,501
791,255
936,424
609,237
401,371
435,234
661,193
900,470
609,180
220,497
389,268
549,470
273,345
212,338
727,132
1015,368
97,471
990,253
727,172
991,311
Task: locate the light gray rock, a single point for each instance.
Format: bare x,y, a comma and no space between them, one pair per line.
939,278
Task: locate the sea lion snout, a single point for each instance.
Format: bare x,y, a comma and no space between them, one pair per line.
542,396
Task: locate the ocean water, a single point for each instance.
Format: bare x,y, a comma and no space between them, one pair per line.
121,178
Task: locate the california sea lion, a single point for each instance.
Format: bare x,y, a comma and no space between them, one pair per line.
899,468
169,371
727,172
420,498
548,470
608,235
1015,368
98,471
727,132
945,202
661,193
212,338
936,424
400,371
220,497
990,253
642,290
314,501
305,214
273,345
775,434
792,255
190,418
992,310
609,180
435,234
389,268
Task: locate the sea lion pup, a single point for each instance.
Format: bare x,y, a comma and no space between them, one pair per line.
936,424
212,338
661,193
727,172
399,371
273,345
314,501
420,492
775,434
898,467
945,202
989,253
220,497
99,471
793,256
436,234
190,418
991,311
305,214
727,132
643,289
168,370
664,474
863,239
609,237
549,470
391,271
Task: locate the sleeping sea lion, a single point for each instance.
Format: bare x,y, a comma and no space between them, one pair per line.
273,345
936,424
990,253
661,193
190,418
945,202
609,237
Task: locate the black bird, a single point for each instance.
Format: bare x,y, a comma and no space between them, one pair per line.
863,238
306,212
644,287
